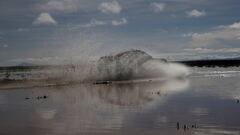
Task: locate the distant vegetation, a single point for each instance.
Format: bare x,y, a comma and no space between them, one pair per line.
28,68
191,63
19,68
211,63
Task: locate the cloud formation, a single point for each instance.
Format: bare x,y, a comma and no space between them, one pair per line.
216,36
119,22
209,50
196,13
94,22
110,7
191,34
157,7
44,19
235,25
60,6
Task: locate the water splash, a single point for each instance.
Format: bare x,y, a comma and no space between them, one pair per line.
124,66
136,64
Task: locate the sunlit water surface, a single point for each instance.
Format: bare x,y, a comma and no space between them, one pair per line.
205,103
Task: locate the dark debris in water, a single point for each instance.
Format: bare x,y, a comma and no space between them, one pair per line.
103,82
178,126
186,127
38,97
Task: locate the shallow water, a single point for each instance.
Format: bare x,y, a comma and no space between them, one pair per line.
207,100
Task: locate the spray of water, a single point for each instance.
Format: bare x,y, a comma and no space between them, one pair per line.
127,65
124,66
136,64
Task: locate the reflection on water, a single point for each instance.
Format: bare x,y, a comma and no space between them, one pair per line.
152,107
84,108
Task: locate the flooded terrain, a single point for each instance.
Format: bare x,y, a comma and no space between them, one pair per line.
206,102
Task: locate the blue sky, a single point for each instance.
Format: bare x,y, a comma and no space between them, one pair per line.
35,31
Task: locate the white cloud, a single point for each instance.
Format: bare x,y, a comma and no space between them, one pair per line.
110,7
119,22
216,36
196,13
199,111
157,7
94,23
60,5
191,34
235,25
44,19
209,50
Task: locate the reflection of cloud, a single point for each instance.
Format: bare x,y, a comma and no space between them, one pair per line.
162,119
229,88
106,106
126,94
47,114
199,111
140,93
76,109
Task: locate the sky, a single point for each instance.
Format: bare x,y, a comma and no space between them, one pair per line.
51,30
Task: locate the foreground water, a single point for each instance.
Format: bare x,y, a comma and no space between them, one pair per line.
205,103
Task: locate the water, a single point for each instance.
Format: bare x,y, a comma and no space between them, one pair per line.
208,99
